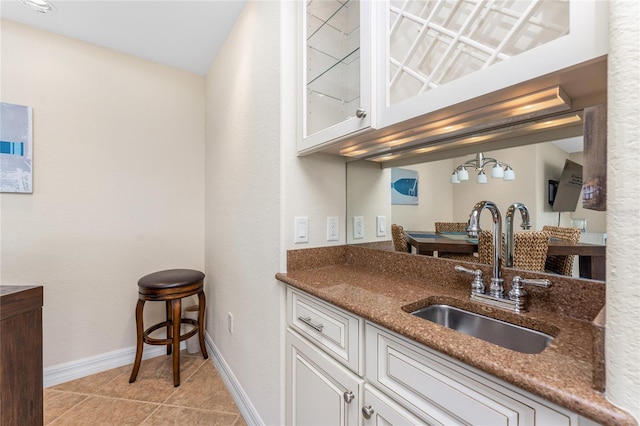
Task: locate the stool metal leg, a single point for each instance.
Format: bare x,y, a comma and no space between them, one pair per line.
139,340
177,306
201,309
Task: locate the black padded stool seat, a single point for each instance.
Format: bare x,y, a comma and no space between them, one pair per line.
170,286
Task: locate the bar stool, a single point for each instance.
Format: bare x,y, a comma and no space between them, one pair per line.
170,286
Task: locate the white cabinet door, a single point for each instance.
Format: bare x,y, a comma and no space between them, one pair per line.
334,71
319,390
438,54
380,410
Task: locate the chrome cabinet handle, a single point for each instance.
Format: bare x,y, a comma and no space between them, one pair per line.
361,113
348,396
367,412
307,320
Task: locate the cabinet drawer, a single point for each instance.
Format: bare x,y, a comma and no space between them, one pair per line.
332,329
434,387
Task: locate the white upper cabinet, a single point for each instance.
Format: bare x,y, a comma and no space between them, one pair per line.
404,63
334,71
441,53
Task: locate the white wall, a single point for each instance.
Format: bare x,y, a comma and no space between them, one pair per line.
118,185
623,204
255,186
242,205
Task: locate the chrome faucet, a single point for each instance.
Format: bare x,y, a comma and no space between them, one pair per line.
496,288
517,299
526,224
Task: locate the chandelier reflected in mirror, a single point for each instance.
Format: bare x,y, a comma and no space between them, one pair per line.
500,169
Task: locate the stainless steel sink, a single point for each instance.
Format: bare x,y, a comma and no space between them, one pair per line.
509,336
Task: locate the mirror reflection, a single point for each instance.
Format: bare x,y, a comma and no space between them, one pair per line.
428,196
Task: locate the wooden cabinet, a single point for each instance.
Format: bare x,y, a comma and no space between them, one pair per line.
21,355
334,71
594,182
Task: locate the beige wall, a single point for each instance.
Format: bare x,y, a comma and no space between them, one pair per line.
435,198
439,200
118,185
368,195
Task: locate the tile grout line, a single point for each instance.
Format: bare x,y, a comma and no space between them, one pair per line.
199,364
86,396
182,381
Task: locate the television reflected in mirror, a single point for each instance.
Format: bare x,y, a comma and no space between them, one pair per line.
369,193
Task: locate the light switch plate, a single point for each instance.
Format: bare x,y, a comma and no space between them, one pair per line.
333,225
381,226
358,227
301,230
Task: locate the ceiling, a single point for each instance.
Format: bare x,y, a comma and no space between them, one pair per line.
183,34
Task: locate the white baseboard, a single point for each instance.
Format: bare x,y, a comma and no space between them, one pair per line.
77,369
248,411
72,370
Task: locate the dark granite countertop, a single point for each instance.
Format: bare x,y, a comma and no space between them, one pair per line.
383,286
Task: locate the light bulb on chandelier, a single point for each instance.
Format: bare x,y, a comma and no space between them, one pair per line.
500,169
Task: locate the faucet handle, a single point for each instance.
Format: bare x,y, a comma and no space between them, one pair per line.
519,295
477,286
538,282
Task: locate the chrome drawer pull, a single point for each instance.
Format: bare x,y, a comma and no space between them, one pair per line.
307,320
367,412
348,396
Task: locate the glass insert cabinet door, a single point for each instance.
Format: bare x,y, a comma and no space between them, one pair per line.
336,69
443,53
435,42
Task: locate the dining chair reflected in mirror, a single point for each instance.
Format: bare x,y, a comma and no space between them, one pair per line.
451,227
530,250
400,242
561,264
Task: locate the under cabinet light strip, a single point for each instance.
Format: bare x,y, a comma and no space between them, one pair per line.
508,112
515,130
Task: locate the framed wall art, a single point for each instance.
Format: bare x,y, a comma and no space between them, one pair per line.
404,186
16,148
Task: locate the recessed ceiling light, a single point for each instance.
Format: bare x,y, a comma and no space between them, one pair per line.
42,6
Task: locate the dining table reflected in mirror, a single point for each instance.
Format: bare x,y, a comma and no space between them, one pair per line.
439,200
591,257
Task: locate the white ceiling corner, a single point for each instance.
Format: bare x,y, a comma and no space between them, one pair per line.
184,34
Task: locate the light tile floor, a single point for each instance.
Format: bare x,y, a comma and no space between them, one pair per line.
108,398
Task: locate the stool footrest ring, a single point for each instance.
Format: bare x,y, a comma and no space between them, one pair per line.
154,341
